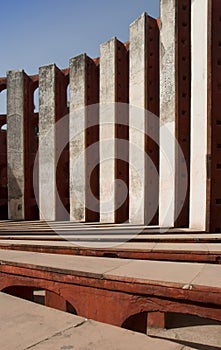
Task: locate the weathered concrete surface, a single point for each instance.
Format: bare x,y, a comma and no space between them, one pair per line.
199,127
15,144
114,132
107,130
167,113
27,325
84,139
53,140
143,174
24,324
137,178
78,95
47,161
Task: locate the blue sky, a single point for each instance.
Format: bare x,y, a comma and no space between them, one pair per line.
36,33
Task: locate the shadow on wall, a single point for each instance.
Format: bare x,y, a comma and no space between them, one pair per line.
138,322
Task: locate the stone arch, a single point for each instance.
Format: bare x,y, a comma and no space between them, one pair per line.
26,292
136,322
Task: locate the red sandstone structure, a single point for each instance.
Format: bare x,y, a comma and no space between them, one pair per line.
144,116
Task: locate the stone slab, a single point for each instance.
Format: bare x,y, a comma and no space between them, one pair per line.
27,325
161,272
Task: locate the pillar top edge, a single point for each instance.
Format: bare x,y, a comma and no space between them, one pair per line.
15,71
110,41
142,17
82,56
47,66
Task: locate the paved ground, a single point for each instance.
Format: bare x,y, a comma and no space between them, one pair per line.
192,334
25,325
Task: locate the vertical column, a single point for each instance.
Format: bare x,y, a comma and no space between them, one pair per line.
21,142
213,223
3,159
84,130
16,123
175,76
167,112
144,122
53,137
113,128
183,111
47,162
198,173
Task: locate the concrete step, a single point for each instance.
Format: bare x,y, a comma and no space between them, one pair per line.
27,325
192,252
127,286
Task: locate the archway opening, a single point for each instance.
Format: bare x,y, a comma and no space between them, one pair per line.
136,323
36,100
22,292
39,296
68,96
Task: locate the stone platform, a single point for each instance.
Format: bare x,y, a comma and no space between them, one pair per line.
25,325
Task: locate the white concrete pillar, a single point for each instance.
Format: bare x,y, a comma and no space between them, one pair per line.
113,88
47,146
143,175
107,130
167,112
198,172
53,141
15,144
77,124
83,131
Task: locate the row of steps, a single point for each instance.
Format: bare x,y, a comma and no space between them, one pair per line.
184,252
157,286
114,241
122,275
